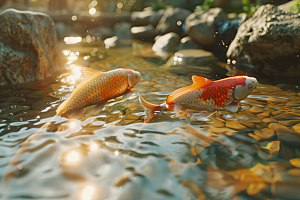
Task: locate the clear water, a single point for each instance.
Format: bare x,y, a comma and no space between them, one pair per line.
253,154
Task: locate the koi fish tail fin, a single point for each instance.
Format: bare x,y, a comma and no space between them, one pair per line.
150,108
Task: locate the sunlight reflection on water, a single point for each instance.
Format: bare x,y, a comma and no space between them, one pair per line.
88,193
115,155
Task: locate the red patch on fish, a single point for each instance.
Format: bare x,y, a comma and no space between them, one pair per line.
218,91
129,71
240,80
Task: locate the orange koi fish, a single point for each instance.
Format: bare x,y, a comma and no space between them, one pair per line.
99,87
205,94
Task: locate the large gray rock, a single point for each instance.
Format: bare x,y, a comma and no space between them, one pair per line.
141,18
188,43
166,43
270,41
63,30
148,16
155,18
101,32
172,21
143,32
200,26
28,48
123,30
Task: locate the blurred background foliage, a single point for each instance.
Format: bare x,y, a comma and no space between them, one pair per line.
237,6
296,6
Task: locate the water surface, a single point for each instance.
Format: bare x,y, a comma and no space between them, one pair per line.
113,154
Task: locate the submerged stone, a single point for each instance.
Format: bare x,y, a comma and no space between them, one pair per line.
42,104
288,136
188,43
36,94
11,109
191,57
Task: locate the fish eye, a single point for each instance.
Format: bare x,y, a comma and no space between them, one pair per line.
250,87
136,76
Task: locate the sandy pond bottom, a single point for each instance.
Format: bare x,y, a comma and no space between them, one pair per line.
253,154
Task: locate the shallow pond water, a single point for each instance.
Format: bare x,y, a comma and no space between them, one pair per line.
113,154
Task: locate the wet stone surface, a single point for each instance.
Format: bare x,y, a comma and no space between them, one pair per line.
113,154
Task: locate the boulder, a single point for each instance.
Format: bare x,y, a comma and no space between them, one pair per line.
141,18
188,43
154,19
28,46
64,30
172,21
270,42
147,16
123,30
191,57
166,43
143,32
225,33
101,32
200,26
111,42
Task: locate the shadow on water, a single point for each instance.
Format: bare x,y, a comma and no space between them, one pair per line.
113,154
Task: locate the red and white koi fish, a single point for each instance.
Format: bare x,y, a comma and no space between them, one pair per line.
205,94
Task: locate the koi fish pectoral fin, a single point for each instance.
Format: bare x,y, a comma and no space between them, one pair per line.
127,94
95,109
233,107
149,115
79,113
180,111
75,113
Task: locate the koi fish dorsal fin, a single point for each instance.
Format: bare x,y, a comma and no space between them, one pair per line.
88,73
201,81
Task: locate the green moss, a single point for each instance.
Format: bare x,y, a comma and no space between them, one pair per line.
296,7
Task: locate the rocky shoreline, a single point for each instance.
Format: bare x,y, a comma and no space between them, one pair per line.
264,44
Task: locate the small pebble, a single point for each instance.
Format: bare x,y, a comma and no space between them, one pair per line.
42,104
263,115
294,172
297,127
288,116
269,120
38,94
288,122
295,162
267,133
235,125
216,123
5,91
288,136
256,109
292,104
11,109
